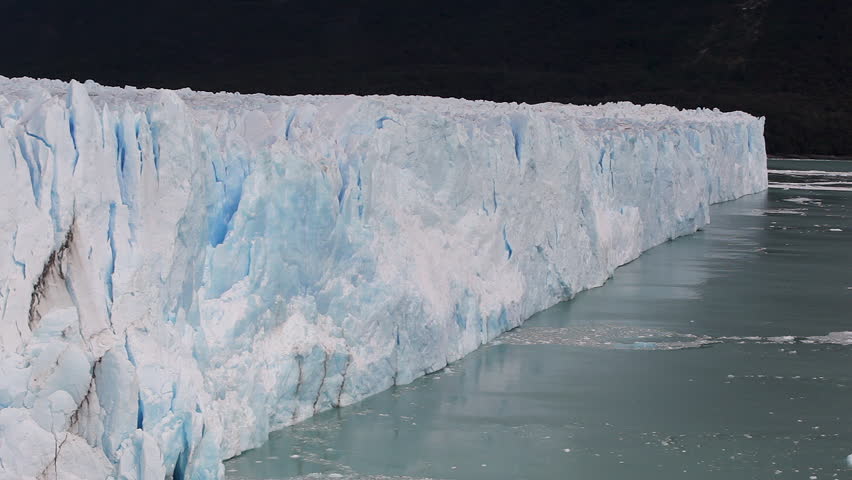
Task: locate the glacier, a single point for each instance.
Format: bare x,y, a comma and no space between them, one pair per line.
183,272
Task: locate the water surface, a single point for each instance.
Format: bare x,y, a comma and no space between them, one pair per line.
719,355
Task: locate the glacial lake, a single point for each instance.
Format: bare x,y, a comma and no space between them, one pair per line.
716,356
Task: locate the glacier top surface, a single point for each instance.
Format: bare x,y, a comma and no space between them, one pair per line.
618,113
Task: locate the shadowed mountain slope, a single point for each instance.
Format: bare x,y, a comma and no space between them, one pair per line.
785,59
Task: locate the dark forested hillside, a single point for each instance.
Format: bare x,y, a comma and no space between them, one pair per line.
786,59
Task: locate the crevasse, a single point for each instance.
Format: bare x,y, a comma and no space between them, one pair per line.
183,272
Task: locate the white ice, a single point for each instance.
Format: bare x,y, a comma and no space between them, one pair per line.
183,272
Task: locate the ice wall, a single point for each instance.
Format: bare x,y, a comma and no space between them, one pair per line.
182,272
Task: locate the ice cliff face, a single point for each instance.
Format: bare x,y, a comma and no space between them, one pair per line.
182,272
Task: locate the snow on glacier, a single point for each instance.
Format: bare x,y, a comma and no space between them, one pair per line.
183,272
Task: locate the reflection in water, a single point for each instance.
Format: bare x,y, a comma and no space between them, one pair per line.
610,384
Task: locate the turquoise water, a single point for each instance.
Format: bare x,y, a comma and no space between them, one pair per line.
719,355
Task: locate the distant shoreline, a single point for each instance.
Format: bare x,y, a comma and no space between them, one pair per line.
802,156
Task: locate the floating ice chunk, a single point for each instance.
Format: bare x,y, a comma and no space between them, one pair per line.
605,336
780,211
781,339
837,338
804,201
833,187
